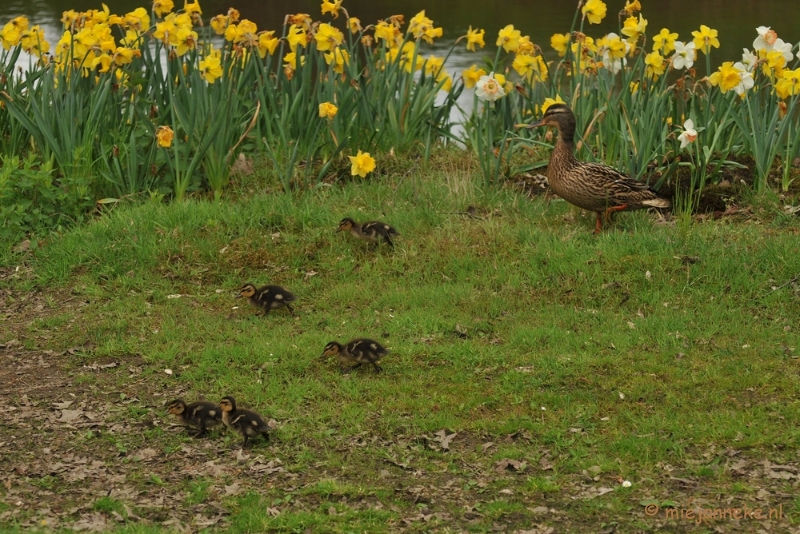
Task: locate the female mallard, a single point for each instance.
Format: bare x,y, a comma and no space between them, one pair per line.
591,186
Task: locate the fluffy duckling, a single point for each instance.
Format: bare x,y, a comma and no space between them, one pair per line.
373,231
591,186
267,297
358,351
247,423
199,415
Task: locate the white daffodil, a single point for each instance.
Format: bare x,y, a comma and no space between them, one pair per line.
489,88
766,38
626,484
684,55
749,59
688,135
745,79
785,48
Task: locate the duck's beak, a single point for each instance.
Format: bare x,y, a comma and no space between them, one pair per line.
338,229
238,296
536,124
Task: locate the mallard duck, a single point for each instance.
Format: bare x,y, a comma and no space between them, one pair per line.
358,351
591,186
247,423
199,415
268,297
373,231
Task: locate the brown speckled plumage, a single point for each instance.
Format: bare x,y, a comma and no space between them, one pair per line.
247,423
357,351
373,231
591,186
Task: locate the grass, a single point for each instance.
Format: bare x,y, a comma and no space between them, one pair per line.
643,354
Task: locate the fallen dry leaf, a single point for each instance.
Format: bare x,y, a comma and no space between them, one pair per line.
444,439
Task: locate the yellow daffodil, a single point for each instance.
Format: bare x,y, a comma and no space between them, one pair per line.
705,38
664,41
361,164
301,19
532,68
160,7
475,38
290,61
386,32
433,64
338,57
354,25
594,11
550,101
296,36
442,76
788,84
138,20
12,32
655,64
634,87
508,38
164,136
526,46
612,46
633,28
124,56
409,58
559,42
632,7
471,76
82,42
165,30
773,62
33,41
186,40
210,68
267,43
219,23
727,77
192,8
68,18
233,15
332,7
327,110
103,61
421,26
328,37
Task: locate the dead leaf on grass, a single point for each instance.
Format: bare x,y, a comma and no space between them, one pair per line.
444,439
70,416
509,464
95,522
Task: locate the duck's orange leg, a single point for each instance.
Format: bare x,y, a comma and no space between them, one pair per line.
598,227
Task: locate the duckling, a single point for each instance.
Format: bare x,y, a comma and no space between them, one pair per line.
358,351
591,186
247,423
373,231
199,415
268,297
